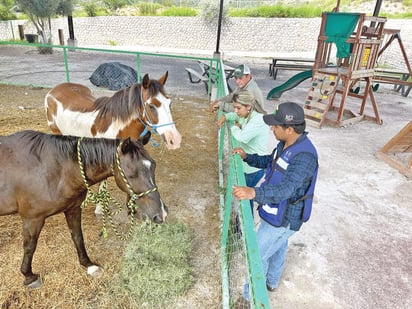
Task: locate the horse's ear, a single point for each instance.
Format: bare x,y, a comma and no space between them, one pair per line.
162,80
145,138
146,81
126,145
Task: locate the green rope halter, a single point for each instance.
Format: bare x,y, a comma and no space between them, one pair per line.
103,198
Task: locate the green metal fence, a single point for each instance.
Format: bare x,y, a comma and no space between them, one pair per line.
240,258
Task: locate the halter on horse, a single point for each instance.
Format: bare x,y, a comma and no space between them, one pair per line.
41,176
72,109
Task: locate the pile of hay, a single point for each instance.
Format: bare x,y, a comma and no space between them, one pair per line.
156,268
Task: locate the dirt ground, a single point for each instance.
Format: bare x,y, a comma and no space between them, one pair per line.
187,181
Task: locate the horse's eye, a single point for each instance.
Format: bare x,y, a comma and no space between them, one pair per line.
152,107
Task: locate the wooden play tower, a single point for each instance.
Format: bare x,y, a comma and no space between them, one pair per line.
357,39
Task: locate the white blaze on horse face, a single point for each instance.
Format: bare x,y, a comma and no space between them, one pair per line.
148,164
167,127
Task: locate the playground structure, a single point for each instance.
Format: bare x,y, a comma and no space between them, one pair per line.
357,39
398,151
292,82
400,79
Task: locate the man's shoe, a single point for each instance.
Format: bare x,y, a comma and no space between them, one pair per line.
270,289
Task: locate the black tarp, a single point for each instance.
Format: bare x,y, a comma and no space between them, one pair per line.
114,76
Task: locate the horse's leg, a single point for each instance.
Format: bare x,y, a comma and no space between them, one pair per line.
74,221
31,232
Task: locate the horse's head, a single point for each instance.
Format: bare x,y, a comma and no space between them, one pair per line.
157,112
134,173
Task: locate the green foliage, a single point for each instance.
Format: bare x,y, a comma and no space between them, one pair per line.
90,8
40,13
278,10
5,14
113,5
65,7
5,7
179,11
407,15
148,9
156,267
407,3
39,8
209,11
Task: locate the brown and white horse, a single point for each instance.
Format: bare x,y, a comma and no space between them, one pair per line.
72,109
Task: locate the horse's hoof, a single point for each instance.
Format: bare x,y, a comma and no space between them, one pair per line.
94,271
36,284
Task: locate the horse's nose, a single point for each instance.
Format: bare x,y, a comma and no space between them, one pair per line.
160,218
157,219
172,138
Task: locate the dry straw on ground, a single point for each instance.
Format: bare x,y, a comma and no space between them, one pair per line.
187,181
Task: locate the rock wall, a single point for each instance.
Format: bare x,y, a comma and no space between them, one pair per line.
260,37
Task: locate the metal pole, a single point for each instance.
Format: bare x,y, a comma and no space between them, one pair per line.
71,31
219,27
377,8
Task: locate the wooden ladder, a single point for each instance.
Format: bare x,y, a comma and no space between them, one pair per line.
319,98
398,151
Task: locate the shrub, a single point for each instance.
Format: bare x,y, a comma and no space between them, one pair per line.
113,5
90,8
181,11
148,9
209,10
277,11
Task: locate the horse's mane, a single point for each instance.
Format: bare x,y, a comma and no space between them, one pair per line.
94,151
126,101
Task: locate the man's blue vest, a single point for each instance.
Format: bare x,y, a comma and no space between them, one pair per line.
274,214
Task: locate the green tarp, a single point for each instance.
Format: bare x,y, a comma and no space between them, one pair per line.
338,28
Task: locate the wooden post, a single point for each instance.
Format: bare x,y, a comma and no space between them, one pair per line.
61,37
21,32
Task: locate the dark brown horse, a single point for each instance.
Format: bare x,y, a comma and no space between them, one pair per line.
72,109
42,175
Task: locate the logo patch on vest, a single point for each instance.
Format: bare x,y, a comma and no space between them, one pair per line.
270,210
282,163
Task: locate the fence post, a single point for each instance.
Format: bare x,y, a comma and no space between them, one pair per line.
21,32
61,37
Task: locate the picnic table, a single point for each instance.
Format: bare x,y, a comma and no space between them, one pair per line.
400,79
206,71
296,64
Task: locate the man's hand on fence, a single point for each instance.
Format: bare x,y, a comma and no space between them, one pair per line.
239,151
243,193
214,106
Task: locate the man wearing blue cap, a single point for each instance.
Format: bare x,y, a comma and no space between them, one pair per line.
244,80
286,194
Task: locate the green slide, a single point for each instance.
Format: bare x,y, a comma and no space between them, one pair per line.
292,82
